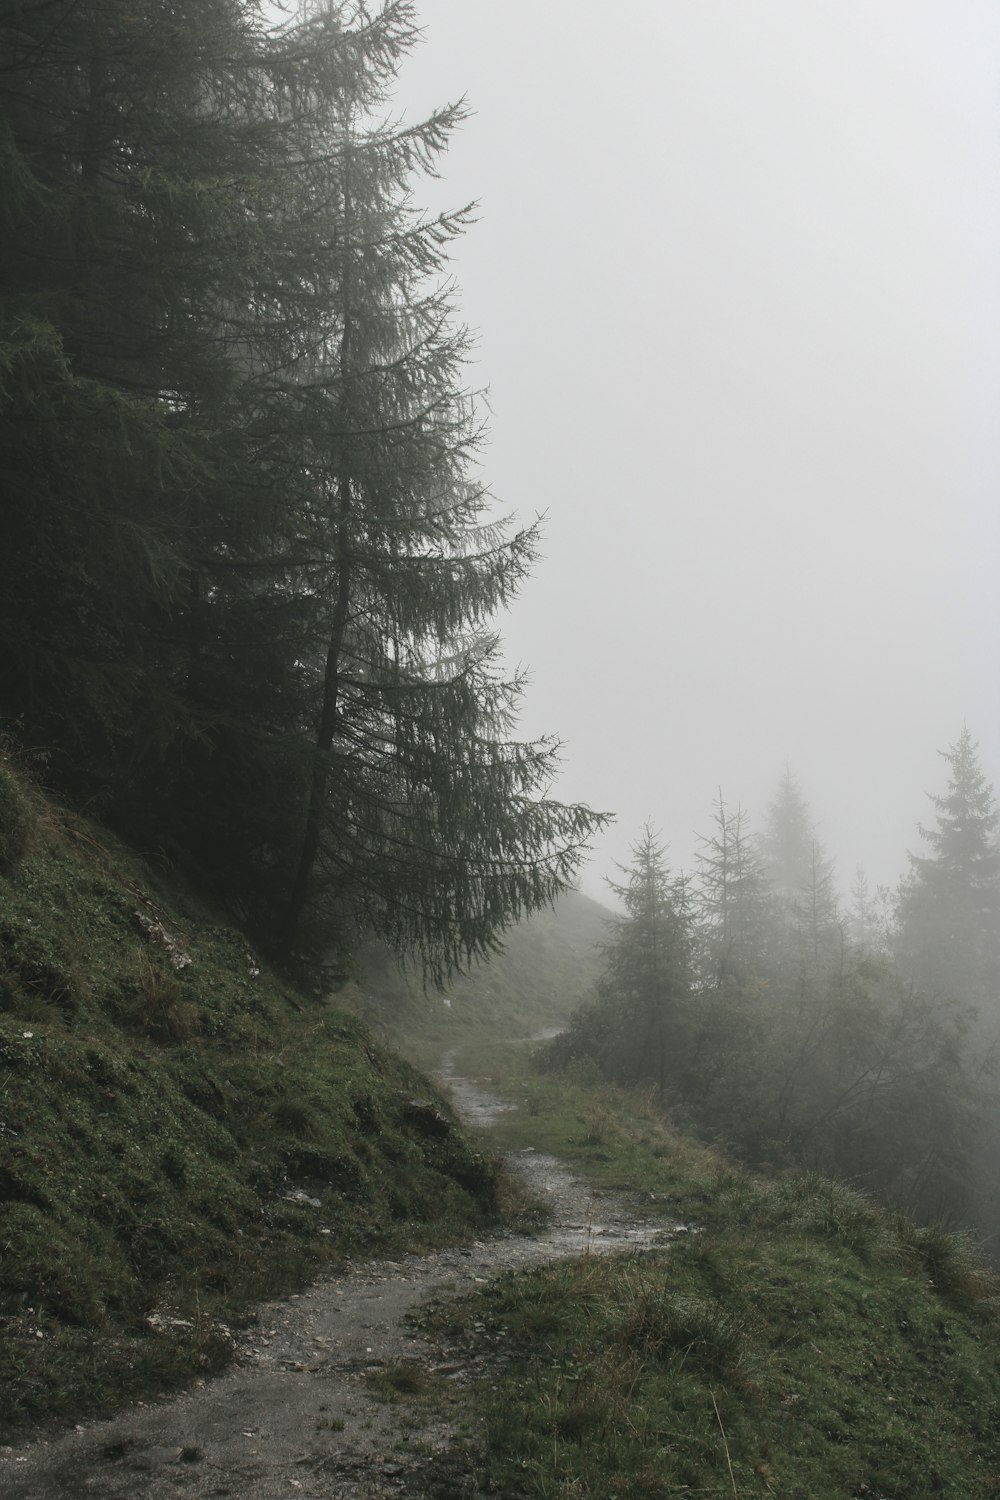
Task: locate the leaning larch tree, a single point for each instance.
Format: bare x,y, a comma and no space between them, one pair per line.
424,818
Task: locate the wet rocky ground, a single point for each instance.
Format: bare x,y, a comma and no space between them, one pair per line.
307,1407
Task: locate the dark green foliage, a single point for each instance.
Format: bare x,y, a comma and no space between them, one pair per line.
424,819
247,570
113,119
637,1031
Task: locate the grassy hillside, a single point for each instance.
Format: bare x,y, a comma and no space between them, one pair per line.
549,965
798,1342
180,1131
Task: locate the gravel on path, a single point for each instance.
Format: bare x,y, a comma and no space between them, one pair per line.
297,1413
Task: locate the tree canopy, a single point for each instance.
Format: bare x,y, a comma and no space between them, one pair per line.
248,568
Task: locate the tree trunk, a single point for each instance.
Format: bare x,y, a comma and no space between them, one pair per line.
324,744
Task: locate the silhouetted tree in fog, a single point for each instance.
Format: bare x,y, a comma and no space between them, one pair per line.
948,937
638,1029
800,876
732,898
787,839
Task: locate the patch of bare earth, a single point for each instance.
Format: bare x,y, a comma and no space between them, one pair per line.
333,1393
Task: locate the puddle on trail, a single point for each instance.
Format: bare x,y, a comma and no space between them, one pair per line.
474,1105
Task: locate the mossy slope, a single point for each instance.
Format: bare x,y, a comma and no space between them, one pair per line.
180,1131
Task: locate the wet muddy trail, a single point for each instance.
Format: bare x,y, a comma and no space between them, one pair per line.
298,1412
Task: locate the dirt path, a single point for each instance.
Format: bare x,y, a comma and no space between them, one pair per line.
298,1413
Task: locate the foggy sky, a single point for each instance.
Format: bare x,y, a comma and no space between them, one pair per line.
735,286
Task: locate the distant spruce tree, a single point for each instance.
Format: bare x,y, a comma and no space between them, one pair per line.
735,943
732,898
865,923
800,876
948,937
638,1030
787,839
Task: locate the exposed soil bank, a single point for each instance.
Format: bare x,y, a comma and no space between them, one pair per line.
298,1413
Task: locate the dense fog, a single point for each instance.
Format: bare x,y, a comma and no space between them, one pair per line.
734,282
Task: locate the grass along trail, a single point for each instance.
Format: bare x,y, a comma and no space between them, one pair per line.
333,1393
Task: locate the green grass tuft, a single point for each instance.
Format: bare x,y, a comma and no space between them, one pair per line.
399,1381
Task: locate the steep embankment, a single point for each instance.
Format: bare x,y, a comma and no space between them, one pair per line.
335,1391
180,1131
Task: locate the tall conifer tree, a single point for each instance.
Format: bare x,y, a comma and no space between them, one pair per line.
733,899
949,907
647,981
801,877
423,817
